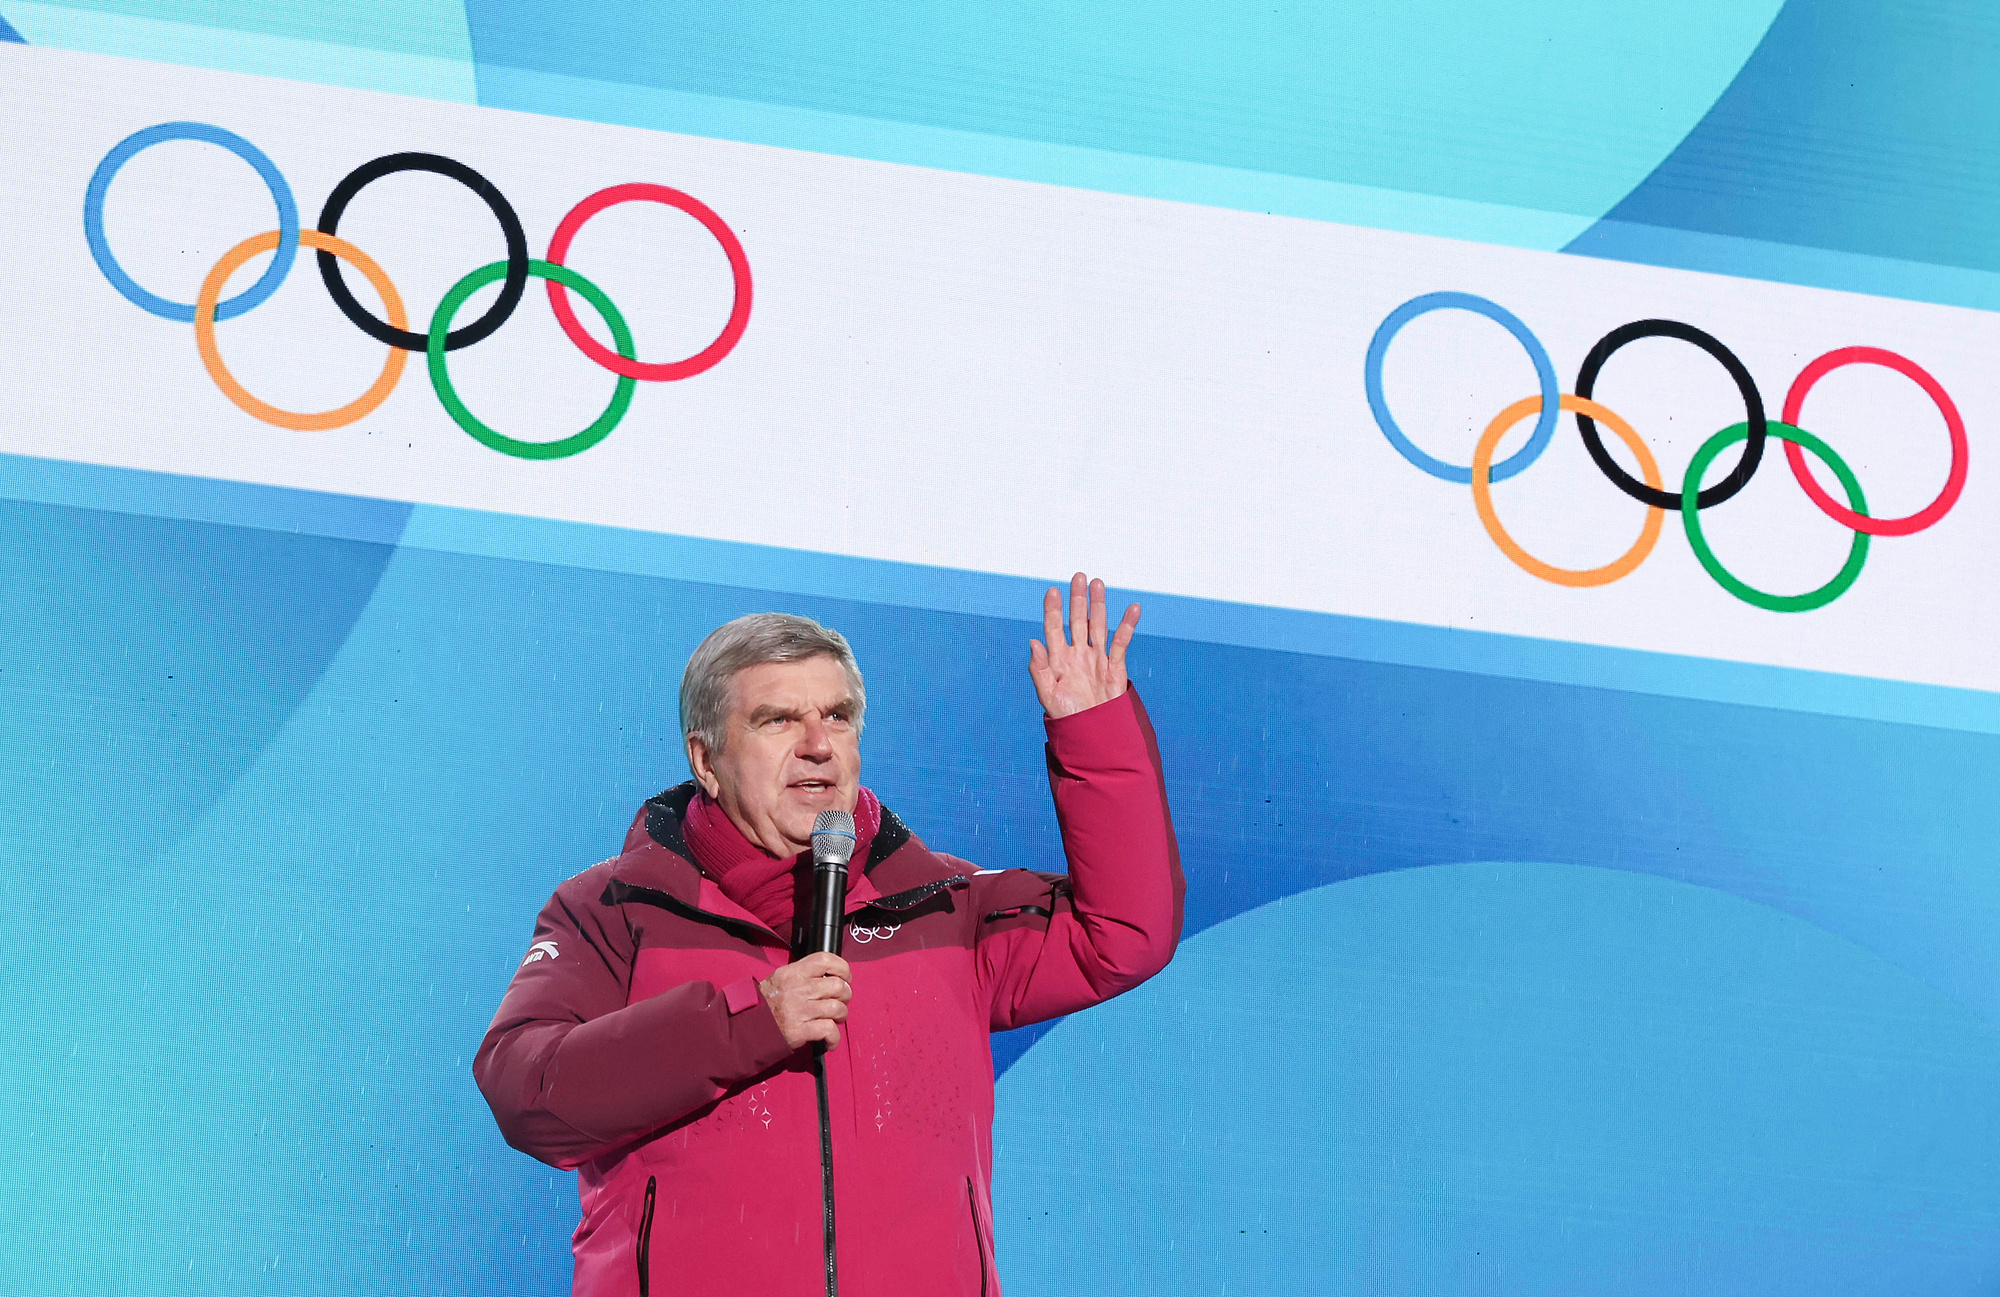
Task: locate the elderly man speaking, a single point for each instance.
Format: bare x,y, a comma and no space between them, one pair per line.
660,1038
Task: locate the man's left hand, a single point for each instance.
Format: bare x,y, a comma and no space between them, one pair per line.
1087,668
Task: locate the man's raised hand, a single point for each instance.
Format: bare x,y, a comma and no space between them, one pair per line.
1076,673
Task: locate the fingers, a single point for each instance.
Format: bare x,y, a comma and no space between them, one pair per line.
807,1005
823,964
1127,624
1089,617
1042,672
809,999
819,1011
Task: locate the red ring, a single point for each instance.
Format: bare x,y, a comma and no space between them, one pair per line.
739,270
1953,484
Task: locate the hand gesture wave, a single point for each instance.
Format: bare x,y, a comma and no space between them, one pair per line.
1087,668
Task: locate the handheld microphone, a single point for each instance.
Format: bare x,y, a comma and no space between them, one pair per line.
832,847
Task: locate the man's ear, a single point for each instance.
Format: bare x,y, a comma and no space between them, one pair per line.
702,766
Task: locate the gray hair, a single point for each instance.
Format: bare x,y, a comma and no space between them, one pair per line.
752,641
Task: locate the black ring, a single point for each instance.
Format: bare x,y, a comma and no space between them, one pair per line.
510,225
1753,445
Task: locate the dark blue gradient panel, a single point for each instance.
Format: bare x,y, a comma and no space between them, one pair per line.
264,912
1855,127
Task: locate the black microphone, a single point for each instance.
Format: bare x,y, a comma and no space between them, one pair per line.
833,847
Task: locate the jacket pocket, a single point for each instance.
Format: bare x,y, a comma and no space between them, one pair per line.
642,1245
982,1241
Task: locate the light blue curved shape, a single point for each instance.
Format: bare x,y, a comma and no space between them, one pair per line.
1507,1079
146,662
1558,106
1434,117
1042,162
415,47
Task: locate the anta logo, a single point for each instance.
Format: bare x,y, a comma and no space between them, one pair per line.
863,935
539,949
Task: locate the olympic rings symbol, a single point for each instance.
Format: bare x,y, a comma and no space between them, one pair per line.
210,307
1692,498
863,936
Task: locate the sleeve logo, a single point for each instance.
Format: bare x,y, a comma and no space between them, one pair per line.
539,949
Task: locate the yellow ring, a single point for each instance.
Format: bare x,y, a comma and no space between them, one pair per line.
204,333
1482,494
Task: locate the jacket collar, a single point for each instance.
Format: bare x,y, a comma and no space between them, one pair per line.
657,866
659,820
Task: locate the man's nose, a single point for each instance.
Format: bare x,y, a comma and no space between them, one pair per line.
815,740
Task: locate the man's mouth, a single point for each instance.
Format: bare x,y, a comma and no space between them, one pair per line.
814,785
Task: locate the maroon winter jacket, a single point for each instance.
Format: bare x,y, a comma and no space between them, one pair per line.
633,1044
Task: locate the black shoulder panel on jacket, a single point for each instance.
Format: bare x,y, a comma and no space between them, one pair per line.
664,812
915,896
619,892
892,835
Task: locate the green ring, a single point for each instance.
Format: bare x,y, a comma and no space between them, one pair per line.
1857,553
621,396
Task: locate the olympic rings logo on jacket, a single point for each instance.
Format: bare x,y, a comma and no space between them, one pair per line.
440,338
1692,498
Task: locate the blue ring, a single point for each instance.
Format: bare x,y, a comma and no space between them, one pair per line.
1378,347
130,146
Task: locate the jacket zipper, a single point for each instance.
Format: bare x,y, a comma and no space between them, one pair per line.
978,1233
825,1166
642,1252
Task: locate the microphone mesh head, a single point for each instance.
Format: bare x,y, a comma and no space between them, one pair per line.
833,837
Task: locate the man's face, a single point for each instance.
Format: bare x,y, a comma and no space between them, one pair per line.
790,750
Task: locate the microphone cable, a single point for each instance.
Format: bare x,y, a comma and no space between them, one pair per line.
832,848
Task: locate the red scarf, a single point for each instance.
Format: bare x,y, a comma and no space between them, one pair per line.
768,886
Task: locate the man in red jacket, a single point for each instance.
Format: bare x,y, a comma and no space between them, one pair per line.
657,1036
